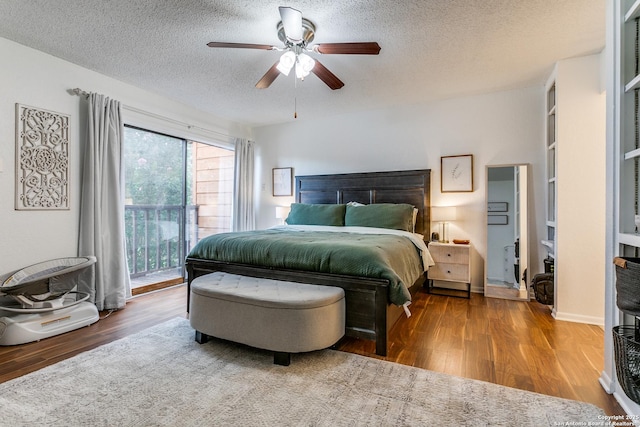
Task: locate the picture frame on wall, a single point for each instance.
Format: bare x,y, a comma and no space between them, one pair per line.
497,219
497,207
456,173
283,181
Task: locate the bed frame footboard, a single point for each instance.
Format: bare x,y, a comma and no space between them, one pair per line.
366,299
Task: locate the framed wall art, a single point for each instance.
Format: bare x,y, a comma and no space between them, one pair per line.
456,173
497,219
497,207
42,159
283,181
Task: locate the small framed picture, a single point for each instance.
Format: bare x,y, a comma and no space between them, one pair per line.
497,219
283,181
497,207
456,173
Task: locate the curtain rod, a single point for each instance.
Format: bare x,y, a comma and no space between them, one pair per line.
79,92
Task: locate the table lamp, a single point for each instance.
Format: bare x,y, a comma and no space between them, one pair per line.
443,215
282,212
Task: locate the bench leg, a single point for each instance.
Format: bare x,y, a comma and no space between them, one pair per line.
201,338
280,358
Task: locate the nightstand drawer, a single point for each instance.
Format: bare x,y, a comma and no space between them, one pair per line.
452,272
450,254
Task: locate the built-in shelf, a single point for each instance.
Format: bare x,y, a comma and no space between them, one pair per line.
633,84
551,166
630,239
549,244
632,154
633,12
626,58
551,247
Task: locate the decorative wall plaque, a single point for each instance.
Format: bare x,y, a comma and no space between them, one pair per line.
42,159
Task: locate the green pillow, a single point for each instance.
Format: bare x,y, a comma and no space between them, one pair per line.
381,215
316,214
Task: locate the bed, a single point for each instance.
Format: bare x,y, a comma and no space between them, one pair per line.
373,301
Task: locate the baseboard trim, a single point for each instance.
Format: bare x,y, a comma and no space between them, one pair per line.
578,318
613,387
628,405
606,382
477,289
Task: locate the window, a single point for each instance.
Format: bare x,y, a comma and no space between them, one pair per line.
176,192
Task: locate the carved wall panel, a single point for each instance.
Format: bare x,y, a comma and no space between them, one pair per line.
42,159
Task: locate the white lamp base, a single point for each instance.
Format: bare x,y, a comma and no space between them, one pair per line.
443,235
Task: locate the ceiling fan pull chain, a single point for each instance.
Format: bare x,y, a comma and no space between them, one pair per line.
295,98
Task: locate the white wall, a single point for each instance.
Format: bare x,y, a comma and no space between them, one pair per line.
497,128
581,154
33,78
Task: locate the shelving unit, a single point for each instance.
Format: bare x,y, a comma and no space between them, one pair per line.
521,226
629,144
627,151
517,203
551,166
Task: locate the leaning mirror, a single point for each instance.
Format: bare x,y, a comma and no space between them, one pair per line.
507,252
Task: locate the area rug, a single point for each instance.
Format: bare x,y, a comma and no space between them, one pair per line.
162,377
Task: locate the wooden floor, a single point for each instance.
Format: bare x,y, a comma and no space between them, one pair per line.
517,344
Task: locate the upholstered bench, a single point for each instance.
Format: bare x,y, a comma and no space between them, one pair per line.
283,317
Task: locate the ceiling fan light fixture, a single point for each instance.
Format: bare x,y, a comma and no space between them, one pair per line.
286,62
304,65
296,33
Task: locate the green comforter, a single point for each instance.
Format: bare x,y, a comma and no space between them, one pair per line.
390,257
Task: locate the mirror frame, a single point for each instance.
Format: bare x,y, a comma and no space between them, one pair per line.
497,291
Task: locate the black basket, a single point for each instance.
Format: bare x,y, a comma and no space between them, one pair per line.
628,284
543,286
627,354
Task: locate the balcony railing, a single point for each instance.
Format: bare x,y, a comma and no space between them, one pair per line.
158,237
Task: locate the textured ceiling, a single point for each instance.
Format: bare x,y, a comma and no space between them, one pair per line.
431,49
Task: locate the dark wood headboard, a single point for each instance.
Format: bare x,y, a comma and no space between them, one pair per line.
412,186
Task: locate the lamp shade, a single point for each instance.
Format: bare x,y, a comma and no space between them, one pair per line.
286,62
443,213
282,212
304,64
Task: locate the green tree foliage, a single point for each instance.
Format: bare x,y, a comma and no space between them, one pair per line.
153,168
154,173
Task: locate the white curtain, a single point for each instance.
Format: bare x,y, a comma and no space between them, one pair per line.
243,210
102,205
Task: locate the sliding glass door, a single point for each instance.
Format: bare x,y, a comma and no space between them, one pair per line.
175,193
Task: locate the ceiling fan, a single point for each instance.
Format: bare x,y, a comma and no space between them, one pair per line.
296,33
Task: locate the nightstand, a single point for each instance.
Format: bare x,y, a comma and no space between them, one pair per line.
453,264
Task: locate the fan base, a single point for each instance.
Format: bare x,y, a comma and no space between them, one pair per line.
308,32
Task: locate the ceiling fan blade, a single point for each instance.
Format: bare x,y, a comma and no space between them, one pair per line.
268,77
242,45
326,76
292,23
364,48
